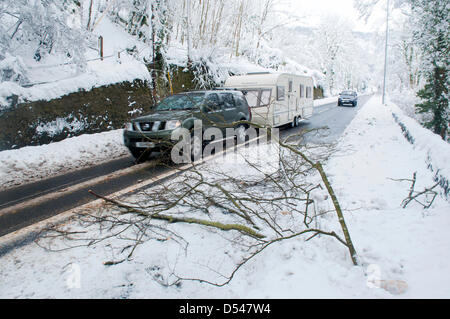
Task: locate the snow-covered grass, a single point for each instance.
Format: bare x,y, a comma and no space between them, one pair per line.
326,100
405,100
33,163
52,78
411,245
98,73
437,150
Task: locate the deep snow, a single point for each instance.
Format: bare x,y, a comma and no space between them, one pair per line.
411,245
33,163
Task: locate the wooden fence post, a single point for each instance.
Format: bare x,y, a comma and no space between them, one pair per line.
100,44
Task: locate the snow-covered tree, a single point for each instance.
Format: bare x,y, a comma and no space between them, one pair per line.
406,57
432,32
422,46
38,28
334,45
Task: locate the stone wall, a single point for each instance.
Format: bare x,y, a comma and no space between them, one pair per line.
100,109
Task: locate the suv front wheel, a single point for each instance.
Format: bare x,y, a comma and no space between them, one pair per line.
140,155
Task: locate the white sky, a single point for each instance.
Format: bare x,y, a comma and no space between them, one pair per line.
313,10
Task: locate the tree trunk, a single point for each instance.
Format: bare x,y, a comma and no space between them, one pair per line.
88,27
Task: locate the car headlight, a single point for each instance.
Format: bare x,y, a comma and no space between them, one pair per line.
171,125
128,126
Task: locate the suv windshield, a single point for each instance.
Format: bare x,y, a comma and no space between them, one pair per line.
347,93
181,102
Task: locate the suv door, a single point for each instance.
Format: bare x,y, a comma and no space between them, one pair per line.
230,113
212,111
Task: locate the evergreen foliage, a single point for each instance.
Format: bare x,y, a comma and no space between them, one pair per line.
432,32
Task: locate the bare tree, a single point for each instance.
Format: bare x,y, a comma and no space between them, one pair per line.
88,27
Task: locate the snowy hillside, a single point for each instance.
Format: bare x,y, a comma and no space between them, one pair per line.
58,51
52,77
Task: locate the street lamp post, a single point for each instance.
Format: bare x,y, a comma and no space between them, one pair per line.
188,31
386,53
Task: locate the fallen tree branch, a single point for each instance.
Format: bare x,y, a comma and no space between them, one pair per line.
318,166
173,219
414,195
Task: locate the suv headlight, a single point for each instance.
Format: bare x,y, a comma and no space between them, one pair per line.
171,125
128,126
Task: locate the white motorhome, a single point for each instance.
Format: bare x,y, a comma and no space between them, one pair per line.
276,99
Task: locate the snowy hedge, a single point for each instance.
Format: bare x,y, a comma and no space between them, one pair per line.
437,149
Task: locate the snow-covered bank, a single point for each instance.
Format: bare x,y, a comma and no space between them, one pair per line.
53,78
33,163
437,150
326,100
411,245
98,74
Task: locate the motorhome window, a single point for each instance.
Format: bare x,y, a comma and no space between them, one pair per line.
290,86
308,92
228,100
302,90
252,97
265,97
280,93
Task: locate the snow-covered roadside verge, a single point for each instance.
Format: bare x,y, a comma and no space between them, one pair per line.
405,100
327,100
32,163
437,150
409,244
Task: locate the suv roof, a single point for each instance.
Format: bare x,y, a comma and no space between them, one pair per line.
215,90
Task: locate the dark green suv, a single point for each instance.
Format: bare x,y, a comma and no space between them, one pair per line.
215,108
